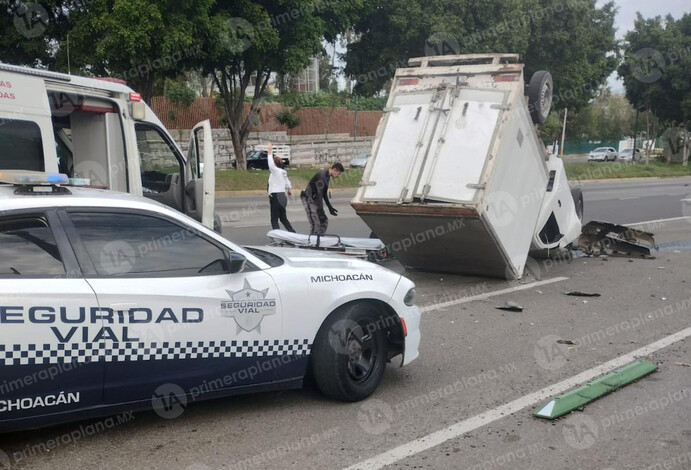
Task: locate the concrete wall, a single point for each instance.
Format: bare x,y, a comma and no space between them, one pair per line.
306,150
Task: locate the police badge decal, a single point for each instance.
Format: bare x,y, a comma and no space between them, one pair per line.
248,307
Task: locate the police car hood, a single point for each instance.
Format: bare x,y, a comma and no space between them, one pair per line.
304,258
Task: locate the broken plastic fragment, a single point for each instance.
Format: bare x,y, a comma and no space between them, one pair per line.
577,293
511,307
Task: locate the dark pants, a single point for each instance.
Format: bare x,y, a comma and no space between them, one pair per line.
278,203
317,219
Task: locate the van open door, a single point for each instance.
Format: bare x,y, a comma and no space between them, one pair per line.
200,178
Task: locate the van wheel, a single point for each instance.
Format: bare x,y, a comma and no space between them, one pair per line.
577,195
540,93
349,353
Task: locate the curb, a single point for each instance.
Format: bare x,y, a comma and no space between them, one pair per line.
261,192
638,178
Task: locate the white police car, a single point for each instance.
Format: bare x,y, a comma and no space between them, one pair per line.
108,301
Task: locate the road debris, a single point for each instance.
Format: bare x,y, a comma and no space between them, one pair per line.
682,364
578,398
510,307
577,293
604,238
565,341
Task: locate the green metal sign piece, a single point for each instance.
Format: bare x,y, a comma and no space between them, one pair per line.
564,404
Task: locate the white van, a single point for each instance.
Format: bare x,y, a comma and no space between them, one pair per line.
101,134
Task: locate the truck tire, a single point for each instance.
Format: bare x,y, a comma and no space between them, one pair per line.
577,195
540,92
349,353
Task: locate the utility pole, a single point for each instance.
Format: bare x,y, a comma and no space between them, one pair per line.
355,121
563,133
635,135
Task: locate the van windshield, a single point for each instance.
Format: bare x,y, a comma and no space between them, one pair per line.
21,147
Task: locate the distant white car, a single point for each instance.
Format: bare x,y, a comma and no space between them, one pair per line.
360,161
626,155
602,154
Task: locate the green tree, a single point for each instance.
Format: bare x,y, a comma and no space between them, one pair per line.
249,41
180,93
657,66
574,39
288,117
140,41
656,71
29,31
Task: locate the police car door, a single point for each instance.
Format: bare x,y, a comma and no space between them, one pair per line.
182,323
46,308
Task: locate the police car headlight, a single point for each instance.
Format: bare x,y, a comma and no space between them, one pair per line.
409,298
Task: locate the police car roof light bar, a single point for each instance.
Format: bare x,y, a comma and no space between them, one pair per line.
25,177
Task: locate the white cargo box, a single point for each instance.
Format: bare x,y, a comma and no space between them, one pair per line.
458,178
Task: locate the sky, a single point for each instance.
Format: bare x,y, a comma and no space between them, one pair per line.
648,8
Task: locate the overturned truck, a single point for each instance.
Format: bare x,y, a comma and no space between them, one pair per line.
458,180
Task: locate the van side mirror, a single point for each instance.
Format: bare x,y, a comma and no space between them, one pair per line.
237,262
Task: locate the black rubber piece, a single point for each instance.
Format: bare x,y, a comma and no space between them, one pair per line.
577,196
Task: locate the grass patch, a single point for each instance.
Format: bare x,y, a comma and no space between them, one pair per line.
233,180
579,171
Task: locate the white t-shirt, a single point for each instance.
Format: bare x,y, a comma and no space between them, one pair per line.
278,178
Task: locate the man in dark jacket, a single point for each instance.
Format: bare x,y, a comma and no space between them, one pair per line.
316,195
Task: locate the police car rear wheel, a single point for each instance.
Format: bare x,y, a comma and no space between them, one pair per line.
349,353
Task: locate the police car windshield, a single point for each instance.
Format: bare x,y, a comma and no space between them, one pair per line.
269,258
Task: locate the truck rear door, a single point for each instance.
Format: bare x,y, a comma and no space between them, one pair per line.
460,148
26,132
409,125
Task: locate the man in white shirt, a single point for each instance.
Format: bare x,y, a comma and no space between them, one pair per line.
279,185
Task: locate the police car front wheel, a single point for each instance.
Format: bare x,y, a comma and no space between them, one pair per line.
349,353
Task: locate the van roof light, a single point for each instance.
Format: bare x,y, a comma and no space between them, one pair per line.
111,80
25,177
35,72
135,96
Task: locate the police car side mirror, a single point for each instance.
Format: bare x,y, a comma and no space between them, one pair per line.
237,262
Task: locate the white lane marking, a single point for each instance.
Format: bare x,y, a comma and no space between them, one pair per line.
462,427
629,198
471,298
657,221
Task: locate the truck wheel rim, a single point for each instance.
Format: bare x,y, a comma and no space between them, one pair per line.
362,353
546,98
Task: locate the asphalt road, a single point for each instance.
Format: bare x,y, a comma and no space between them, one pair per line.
246,218
467,401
